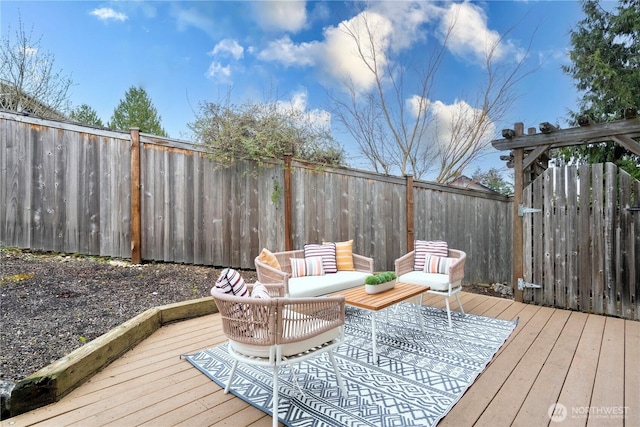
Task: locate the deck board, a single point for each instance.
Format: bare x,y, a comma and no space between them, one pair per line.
507,403
552,374
580,360
608,388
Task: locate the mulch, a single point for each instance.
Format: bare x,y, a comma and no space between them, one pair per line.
52,304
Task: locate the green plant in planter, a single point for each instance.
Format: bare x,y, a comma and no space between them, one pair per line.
379,278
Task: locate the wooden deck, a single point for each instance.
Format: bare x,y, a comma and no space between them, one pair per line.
587,363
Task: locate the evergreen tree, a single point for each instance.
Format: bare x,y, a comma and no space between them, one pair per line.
86,115
605,59
137,110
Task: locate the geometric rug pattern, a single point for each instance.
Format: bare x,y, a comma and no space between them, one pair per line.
419,376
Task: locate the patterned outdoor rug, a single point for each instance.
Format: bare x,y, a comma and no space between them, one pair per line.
420,375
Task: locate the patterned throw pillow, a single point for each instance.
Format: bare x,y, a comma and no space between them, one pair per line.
301,267
231,282
437,264
344,255
267,257
260,291
328,253
423,247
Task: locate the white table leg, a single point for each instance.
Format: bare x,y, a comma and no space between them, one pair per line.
374,337
419,314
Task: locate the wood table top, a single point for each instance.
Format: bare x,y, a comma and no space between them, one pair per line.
358,297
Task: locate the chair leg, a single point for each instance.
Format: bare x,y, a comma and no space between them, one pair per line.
233,371
446,300
338,376
459,303
274,409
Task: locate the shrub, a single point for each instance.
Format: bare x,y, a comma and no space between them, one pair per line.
379,278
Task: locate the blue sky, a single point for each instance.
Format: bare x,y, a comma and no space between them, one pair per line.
183,53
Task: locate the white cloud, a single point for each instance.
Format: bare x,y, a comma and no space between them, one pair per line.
193,17
108,14
470,36
393,27
340,58
407,19
288,53
219,72
457,117
288,16
319,119
228,46
417,105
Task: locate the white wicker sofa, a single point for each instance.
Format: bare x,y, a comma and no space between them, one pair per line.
350,276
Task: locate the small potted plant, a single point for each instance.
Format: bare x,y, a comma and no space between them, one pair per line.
380,282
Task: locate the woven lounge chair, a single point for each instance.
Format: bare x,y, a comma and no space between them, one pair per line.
275,331
445,284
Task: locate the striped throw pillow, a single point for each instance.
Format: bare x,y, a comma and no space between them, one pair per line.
301,267
424,247
344,255
328,253
437,264
231,282
260,291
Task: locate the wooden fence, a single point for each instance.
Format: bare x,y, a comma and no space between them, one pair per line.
583,246
76,189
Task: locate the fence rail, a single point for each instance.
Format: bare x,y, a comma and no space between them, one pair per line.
68,188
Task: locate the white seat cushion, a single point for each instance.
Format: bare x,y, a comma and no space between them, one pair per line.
437,282
313,286
287,349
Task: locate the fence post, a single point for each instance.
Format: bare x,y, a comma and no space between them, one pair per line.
288,238
136,223
518,188
409,190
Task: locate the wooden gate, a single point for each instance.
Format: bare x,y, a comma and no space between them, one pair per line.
581,240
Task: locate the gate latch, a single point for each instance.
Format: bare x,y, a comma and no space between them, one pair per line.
522,285
525,210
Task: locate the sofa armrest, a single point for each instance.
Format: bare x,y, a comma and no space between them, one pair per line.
456,269
270,276
363,263
404,264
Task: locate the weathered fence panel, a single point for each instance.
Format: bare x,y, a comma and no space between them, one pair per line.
470,222
582,248
67,188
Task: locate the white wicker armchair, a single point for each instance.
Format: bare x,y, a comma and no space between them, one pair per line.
446,285
274,331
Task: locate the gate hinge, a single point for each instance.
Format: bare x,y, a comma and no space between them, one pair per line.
522,209
522,285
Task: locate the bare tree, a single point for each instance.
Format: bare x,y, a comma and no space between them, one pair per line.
406,134
28,82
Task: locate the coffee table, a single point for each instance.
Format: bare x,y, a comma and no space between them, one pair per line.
373,303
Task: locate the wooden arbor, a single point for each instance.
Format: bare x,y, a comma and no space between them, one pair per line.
529,158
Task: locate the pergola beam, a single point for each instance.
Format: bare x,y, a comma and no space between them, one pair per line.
599,132
627,143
